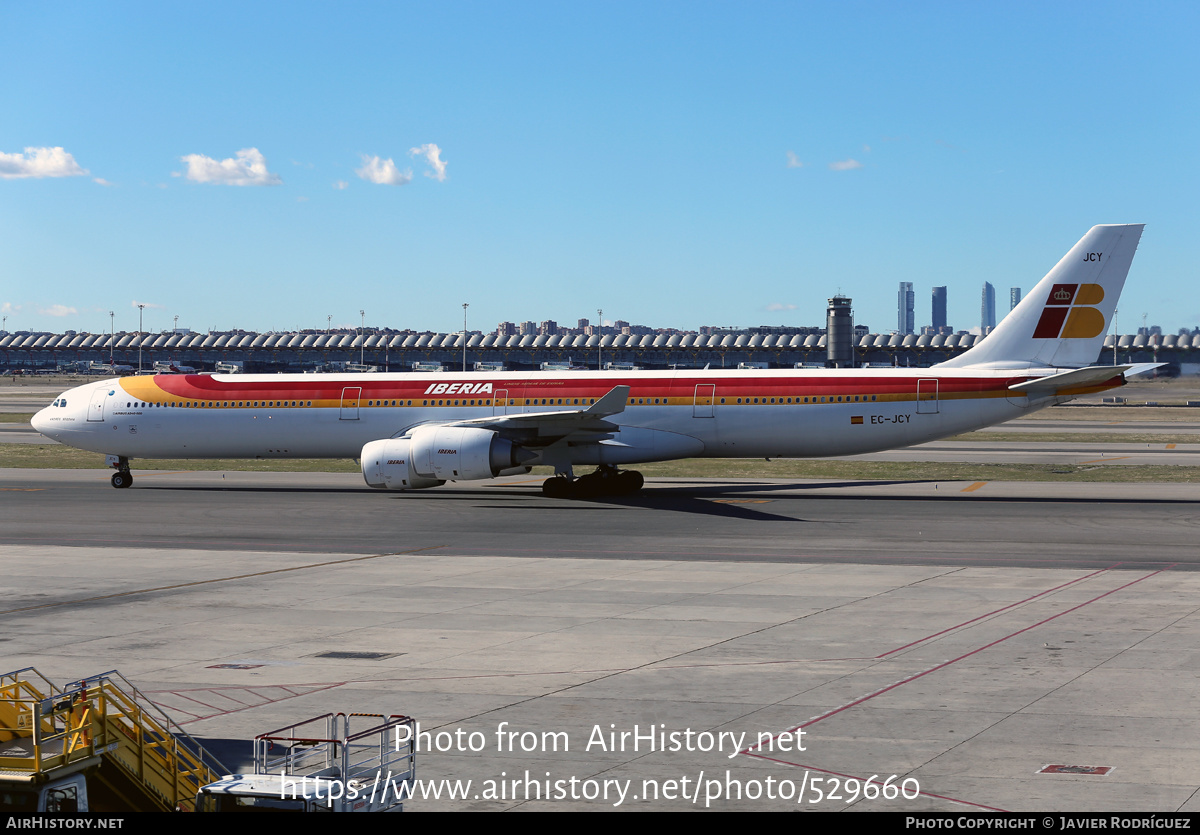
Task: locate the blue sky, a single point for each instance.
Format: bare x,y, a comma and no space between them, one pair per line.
266,165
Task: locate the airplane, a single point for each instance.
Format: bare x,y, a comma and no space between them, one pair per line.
412,431
170,367
109,368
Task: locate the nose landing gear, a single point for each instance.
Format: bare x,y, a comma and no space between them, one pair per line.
122,478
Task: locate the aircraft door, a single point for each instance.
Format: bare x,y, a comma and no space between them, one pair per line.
500,402
96,406
350,397
927,397
702,404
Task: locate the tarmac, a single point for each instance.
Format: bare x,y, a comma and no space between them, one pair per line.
951,643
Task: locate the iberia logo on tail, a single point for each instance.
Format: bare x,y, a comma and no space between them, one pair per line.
1070,313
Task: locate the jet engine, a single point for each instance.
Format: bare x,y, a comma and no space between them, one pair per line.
386,464
431,455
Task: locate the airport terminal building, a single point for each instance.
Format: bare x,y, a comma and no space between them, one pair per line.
408,350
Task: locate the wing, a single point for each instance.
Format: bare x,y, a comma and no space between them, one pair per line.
540,429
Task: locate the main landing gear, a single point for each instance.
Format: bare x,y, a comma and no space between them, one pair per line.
605,481
122,478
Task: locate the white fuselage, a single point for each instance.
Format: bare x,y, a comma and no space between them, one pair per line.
691,413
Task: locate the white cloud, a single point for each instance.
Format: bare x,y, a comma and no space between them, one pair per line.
249,169
340,185
37,163
100,181
57,310
845,165
773,306
9,307
433,155
382,172
793,161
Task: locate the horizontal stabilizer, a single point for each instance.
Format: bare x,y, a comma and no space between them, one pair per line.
1067,381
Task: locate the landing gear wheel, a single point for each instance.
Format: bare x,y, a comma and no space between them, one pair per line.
557,487
122,479
603,482
629,481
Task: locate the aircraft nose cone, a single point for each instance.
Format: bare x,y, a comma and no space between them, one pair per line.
39,421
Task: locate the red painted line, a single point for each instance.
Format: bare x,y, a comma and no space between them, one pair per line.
998,611
239,709
190,699
215,689
751,753
945,664
232,699
175,709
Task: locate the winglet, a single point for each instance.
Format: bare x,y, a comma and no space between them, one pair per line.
610,404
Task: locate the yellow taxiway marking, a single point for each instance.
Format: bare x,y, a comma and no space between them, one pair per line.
1105,460
523,481
742,501
974,487
1170,446
22,489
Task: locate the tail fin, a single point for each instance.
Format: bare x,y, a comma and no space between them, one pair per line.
1062,322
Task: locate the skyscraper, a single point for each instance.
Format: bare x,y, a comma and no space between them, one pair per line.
939,307
987,310
1014,297
905,321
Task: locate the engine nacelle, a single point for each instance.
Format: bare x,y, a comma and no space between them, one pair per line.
387,464
463,453
433,455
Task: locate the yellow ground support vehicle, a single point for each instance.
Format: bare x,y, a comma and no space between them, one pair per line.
94,745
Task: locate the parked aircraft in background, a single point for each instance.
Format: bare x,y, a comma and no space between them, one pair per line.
171,367
109,368
417,430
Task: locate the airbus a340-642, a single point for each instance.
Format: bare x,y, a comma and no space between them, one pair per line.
417,430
